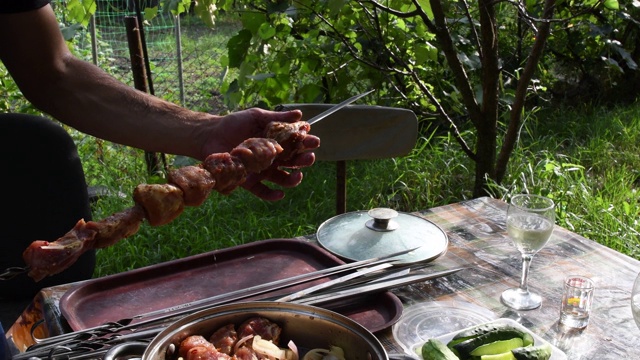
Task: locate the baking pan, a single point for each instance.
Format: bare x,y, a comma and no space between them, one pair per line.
181,281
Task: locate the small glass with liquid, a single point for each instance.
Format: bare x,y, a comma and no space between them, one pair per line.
577,299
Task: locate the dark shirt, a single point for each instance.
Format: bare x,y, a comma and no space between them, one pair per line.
16,6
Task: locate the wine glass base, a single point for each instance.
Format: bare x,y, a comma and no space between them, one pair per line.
519,299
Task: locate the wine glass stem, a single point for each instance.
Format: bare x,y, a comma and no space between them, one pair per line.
526,261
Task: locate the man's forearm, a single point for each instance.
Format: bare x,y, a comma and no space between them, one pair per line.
119,113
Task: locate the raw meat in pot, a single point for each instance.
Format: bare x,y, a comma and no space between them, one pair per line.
224,339
267,329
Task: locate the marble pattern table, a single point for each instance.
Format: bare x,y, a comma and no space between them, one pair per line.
478,241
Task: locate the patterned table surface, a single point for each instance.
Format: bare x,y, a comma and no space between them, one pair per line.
478,241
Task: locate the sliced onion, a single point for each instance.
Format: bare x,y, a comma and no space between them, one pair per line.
315,354
333,353
269,349
294,350
240,342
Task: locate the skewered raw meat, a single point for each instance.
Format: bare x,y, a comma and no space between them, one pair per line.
289,136
162,203
257,154
116,227
195,182
42,256
227,171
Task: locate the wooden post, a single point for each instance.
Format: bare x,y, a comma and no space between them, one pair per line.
140,81
341,187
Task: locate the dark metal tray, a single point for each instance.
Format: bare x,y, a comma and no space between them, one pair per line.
181,281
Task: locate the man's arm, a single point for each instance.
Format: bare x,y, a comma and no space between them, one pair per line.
86,98
83,96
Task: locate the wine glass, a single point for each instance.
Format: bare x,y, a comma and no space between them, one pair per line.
635,301
530,220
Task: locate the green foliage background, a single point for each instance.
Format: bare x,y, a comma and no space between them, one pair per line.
586,157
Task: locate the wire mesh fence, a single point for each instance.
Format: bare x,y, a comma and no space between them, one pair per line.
182,52
183,56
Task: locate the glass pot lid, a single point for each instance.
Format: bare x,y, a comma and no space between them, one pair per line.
363,235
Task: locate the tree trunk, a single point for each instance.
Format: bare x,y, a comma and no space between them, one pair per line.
515,117
487,125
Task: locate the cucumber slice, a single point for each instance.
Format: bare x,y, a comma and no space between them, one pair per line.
464,349
484,329
539,352
497,347
527,339
504,356
435,349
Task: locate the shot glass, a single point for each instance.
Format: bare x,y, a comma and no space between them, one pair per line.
577,298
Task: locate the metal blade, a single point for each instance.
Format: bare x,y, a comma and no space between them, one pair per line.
333,109
333,282
377,286
257,290
12,272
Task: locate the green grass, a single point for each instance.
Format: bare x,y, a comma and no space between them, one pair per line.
588,162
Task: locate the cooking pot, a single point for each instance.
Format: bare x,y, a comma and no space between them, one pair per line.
309,327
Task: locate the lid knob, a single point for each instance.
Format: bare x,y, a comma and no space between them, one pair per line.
382,219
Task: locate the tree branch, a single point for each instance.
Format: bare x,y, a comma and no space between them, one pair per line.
513,129
460,75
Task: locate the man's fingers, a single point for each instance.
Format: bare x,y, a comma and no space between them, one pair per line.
290,116
266,193
254,183
301,160
285,179
311,142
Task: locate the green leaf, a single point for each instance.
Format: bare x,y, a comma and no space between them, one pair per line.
238,46
81,11
266,31
150,13
175,7
260,77
425,52
611,4
335,7
206,9
426,7
252,21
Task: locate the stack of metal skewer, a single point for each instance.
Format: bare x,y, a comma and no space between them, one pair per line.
343,282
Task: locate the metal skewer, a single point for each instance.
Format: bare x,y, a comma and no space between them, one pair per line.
375,286
261,289
10,273
81,347
333,109
333,282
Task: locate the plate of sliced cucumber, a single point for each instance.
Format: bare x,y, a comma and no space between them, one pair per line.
501,339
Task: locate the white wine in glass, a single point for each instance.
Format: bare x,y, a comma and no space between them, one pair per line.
530,220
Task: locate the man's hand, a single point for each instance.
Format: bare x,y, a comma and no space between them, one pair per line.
241,125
